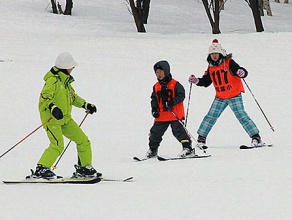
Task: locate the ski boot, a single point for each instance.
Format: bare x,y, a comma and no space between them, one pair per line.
256,141
42,172
187,149
152,152
86,171
201,143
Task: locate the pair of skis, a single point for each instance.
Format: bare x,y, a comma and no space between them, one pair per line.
69,180
160,158
72,180
205,155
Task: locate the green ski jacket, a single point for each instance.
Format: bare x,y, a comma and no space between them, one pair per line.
58,91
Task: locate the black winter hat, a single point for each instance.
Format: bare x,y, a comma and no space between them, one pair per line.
162,65
157,67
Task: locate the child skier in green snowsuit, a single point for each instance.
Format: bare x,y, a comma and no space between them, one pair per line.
55,105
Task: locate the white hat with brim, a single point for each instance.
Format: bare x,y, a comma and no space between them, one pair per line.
65,61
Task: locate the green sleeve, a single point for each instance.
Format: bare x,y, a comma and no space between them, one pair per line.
48,92
77,100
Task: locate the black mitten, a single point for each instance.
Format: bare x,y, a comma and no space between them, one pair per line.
90,107
155,113
56,112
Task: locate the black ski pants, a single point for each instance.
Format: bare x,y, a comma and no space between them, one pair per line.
158,129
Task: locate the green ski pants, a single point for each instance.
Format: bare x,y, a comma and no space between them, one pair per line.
73,132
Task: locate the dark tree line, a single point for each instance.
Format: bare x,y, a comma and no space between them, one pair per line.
215,6
140,11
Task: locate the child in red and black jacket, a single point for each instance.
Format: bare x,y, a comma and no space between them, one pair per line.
167,109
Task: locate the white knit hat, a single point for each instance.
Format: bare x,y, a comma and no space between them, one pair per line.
215,47
65,61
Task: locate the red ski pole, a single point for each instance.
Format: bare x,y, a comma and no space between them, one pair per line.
27,136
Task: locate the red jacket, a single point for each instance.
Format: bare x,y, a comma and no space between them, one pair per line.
224,79
226,85
172,97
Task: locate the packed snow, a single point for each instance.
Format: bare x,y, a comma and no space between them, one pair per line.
115,72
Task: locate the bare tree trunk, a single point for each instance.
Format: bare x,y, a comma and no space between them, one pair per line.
261,7
206,6
221,4
54,7
267,7
216,12
278,1
69,6
60,8
137,14
254,5
145,11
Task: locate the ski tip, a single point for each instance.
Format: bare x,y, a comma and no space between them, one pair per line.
245,147
137,159
128,179
142,159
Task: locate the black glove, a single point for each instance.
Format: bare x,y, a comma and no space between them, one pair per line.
89,107
56,112
155,113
